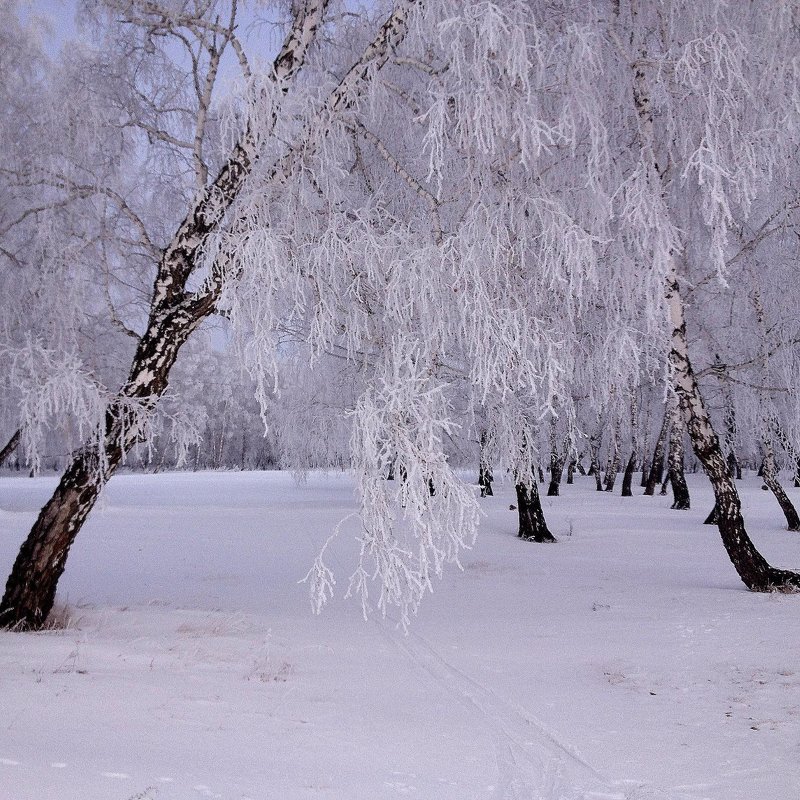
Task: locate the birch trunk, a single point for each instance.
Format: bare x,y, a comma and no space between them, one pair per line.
485,477
774,485
556,473
532,524
754,570
627,480
10,446
680,491
31,586
657,465
612,468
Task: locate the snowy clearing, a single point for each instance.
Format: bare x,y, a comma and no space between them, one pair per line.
627,661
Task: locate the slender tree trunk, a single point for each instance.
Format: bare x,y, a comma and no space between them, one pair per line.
390,471
532,524
665,483
10,446
657,465
579,466
680,491
595,470
31,587
612,469
645,471
571,471
734,467
556,473
771,479
627,480
485,477
731,430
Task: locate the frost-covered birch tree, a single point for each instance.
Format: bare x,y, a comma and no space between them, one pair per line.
175,104
707,146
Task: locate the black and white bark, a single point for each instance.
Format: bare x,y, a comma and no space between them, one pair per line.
532,524
556,463
175,312
774,485
627,479
680,491
10,446
485,477
657,464
754,570
613,465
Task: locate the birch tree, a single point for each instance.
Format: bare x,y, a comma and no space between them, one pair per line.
722,160
190,271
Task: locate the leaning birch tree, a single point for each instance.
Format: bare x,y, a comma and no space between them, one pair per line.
189,274
718,144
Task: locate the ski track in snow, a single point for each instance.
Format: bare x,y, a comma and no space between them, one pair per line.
532,763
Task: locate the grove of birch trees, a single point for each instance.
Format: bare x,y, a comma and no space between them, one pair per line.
519,237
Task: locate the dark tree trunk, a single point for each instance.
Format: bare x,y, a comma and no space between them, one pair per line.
532,524
10,446
573,463
731,430
611,472
627,480
540,472
734,467
797,473
31,586
771,479
595,470
657,466
645,471
556,473
485,477
579,466
680,491
390,472
711,519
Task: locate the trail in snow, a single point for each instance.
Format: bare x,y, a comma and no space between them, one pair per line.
532,763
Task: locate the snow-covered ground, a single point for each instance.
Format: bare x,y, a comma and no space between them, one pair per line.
626,661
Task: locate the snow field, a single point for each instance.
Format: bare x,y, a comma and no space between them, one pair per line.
627,661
